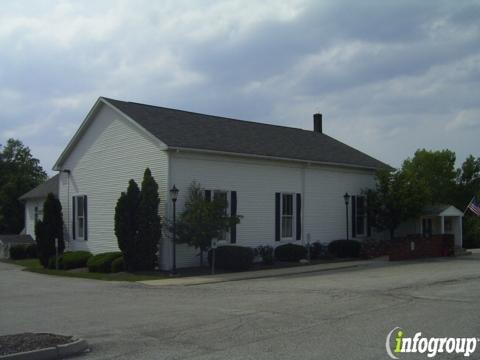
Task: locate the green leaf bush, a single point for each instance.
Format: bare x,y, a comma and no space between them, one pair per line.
290,252
118,265
232,257
102,262
19,252
75,259
345,248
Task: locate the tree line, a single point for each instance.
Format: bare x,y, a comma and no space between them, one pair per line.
428,178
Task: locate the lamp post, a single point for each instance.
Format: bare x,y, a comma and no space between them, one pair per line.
173,195
346,197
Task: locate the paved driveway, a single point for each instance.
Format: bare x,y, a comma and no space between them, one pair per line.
330,315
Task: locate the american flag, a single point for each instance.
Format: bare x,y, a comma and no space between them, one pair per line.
474,206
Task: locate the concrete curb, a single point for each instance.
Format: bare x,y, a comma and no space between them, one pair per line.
257,274
52,353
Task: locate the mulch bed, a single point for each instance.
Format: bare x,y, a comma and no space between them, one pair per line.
11,344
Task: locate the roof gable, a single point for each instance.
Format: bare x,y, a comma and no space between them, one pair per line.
442,210
42,190
187,130
86,123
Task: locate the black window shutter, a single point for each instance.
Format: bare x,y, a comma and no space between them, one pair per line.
85,215
208,195
354,216
299,216
73,217
233,212
277,216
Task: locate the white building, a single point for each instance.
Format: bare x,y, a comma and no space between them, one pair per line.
287,183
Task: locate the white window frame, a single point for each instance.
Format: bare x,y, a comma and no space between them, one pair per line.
79,236
363,218
292,216
227,211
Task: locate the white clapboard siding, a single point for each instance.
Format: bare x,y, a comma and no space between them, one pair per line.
110,153
256,182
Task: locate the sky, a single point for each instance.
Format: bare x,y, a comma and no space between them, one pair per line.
389,77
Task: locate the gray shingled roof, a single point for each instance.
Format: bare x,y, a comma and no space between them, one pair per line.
42,190
434,210
183,129
16,239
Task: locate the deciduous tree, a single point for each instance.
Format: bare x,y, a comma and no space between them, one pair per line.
19,173
202,220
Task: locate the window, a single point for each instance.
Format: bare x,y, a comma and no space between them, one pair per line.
287,216
80,217
361,216
222,196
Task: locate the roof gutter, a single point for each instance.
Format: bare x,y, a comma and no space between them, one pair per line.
275,158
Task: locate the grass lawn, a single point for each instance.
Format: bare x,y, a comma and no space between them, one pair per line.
33,265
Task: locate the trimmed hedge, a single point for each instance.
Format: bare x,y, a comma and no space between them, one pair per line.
118,265
290,252
232,257
75,259
345,248
70,260
102,262
19,252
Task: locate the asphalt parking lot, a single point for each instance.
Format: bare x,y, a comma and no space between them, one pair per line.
343,314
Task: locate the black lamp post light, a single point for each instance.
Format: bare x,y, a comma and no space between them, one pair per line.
346,197
173,196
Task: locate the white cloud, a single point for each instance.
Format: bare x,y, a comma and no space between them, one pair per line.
465,119
389,78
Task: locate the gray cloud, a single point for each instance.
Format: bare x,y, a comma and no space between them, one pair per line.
390,77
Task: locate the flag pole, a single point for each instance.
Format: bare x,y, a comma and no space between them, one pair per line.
468,206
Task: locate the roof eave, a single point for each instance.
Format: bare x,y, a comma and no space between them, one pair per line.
275,158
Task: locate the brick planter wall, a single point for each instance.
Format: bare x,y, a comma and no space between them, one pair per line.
434,246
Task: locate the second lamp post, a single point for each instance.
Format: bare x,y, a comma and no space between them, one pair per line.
173,196
346,197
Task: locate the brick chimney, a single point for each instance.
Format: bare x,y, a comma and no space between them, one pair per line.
317,122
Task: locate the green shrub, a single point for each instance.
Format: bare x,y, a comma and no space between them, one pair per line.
232,257
75,259
345,248
118,265
18,252
290,252
102,262
31,251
